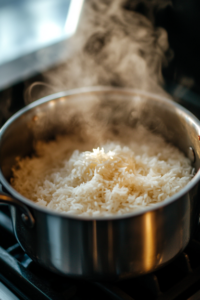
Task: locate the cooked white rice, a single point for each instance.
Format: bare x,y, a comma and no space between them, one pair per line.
113,179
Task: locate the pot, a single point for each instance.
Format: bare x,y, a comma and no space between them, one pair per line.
110,247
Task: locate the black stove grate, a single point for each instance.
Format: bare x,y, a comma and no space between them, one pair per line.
179,280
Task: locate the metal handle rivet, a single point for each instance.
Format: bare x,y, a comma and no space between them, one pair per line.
191,155
24,218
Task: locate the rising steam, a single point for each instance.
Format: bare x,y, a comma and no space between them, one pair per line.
113,46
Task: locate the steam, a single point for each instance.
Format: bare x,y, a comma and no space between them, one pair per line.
113,46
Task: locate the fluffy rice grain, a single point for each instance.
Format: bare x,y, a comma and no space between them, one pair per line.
113,179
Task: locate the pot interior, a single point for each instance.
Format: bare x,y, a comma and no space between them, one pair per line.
96,116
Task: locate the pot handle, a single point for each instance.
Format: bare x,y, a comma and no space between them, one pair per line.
26,215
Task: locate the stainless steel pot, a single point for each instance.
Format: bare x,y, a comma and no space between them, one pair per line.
105,247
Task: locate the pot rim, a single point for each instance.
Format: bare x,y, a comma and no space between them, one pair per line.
86,90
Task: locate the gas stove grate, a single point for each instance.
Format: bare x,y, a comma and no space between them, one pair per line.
179,280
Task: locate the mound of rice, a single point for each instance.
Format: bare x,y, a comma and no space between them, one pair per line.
113,179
